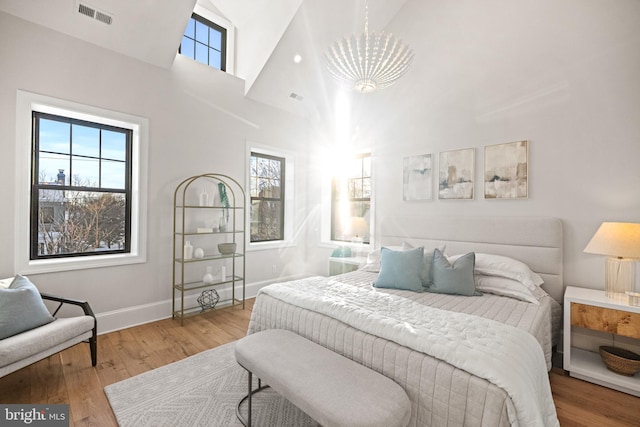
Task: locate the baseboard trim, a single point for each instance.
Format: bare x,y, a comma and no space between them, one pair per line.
127,317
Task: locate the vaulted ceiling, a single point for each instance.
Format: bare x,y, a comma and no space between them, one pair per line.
268,35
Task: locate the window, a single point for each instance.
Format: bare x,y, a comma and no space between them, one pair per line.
80,190
351,201
205,42
81,186
267,192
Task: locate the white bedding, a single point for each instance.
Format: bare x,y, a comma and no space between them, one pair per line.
508,357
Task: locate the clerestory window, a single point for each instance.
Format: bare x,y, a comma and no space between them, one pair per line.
205,42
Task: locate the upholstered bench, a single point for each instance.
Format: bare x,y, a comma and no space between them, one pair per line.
330,388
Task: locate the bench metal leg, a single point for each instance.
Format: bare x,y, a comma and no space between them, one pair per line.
249,394
248,398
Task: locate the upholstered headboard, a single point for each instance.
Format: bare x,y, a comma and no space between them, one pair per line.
536,241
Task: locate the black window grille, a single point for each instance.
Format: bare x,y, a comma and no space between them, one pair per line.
80,188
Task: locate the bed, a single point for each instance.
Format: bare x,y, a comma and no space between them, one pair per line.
388,329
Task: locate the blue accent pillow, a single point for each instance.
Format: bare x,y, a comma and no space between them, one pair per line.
400,269
456,278
21,308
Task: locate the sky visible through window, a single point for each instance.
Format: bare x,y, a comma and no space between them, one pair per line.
89,156
204,41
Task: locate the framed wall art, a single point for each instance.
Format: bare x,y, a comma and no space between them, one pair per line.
456,174
506,170
417,177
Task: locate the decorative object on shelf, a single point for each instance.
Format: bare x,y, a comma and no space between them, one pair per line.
224,200
456,174
417,177
198,253
506,168
227,248
619,360
222,226
620,241
223,273
204,230
187,251
208,299
204,198
368,61
207,279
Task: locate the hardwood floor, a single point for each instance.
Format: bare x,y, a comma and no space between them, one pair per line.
69,378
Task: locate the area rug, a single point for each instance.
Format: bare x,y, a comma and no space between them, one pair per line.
201,390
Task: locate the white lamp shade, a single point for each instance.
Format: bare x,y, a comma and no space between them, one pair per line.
359,226
616,239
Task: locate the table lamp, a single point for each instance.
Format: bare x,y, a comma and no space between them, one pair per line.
359,228
620,241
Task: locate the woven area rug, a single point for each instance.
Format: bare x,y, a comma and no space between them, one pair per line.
201,390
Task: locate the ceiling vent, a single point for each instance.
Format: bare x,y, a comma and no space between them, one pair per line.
93,13
296,96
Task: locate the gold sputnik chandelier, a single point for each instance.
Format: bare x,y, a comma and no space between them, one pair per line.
368,61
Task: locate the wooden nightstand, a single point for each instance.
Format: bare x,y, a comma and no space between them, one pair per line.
340,265
592,309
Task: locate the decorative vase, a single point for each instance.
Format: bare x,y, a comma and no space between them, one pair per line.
204,198
223,273
222,226
198,253
207,279
188,250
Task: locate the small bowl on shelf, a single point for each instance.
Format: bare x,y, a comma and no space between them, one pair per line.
226,248
620,361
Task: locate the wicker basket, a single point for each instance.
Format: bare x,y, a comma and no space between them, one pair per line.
620,361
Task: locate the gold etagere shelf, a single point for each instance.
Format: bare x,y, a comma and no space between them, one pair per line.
208,209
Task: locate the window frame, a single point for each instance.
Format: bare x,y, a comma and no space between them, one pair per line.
223,42
334,184
36,185
28,102
231,37
289,197
326,198
280,198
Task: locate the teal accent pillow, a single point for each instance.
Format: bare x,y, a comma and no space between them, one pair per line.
21,308
456,278
400,269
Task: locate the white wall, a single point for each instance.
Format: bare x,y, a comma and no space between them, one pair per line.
199,122
564,75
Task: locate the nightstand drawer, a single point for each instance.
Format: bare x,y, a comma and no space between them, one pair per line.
605,320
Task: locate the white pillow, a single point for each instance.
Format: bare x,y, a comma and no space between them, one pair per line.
504,287
374,257
502,266
4,283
